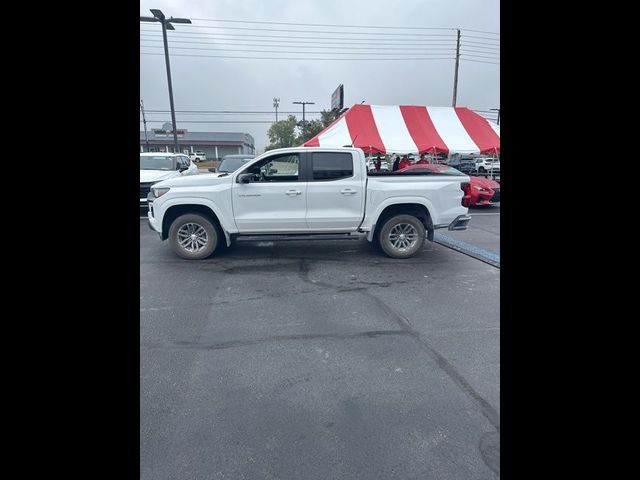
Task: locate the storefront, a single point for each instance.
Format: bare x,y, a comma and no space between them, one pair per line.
214,144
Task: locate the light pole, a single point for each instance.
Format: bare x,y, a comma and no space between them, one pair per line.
144,120
497,110
158,16
276,102
303,105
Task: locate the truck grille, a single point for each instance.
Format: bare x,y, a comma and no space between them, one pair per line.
145,188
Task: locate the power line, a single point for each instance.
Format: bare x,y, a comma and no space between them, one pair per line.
478,51
296,53
297,58
478,61
339,25
472,45
244,35
479,31
473,55
318,24
220,112
217,121
474,36
287,44
325,31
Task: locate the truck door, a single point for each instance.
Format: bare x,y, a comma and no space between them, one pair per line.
276,198
335,192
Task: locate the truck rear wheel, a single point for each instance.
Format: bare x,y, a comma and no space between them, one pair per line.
401,236
193,236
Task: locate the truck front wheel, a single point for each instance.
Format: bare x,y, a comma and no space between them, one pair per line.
401,236
193,236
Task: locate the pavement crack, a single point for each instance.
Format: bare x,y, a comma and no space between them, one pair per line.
183,345
485,407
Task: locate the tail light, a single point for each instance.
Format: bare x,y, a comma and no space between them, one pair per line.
466,188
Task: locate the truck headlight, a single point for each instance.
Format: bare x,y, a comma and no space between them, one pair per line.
158,192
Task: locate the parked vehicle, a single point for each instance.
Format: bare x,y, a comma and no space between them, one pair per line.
157,166
198,156
371,164
307,193
483,191
230,163
485,165
465,164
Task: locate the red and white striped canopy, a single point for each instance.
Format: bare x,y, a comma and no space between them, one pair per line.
411,129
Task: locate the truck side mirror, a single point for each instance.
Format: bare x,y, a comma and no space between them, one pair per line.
244,178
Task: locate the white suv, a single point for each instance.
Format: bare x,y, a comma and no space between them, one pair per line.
484,165
198,157
158,166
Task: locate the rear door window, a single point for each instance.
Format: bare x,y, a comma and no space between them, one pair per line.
332,166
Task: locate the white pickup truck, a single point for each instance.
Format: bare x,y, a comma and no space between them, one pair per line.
306,193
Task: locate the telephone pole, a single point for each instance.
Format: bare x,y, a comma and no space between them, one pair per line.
303,105
144,120
158,16
455,77
276,102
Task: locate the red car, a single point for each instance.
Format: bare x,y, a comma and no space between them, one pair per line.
484,191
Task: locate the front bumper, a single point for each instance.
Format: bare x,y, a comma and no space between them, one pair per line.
460,222
153,222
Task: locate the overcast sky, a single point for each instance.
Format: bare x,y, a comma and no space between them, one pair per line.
206,83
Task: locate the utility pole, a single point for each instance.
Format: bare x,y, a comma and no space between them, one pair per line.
158,16
144,120
303,105
497,110
455,78
276,102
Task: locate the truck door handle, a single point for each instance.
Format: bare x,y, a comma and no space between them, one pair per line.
293,192
348,191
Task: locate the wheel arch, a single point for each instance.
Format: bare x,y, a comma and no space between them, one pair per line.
417,209
175,211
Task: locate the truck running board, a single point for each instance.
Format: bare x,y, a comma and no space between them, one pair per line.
296,237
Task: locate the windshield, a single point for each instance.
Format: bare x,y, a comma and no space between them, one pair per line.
159,162
232,164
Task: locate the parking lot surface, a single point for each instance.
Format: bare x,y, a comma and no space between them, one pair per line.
320,359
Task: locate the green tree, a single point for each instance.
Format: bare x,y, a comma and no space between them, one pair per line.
282,134
314,127
309,130
328,116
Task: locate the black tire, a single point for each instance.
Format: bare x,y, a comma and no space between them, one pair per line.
196,250
482,170
399,225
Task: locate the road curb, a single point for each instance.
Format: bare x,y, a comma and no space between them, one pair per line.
471,250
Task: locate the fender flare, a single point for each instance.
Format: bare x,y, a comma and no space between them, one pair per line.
226,228
398,201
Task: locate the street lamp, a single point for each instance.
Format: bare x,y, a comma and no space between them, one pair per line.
158,16
497,110
303,105
276,103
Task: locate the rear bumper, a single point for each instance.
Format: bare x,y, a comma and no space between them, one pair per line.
460,222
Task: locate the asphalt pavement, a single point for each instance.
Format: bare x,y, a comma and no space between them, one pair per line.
321,359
